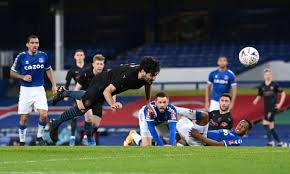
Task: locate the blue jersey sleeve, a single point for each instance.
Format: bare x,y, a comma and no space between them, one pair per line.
233,142
232,78
210,77
47,63
172,128
151,127
17,63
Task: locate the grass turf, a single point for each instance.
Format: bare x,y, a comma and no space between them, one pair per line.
140,160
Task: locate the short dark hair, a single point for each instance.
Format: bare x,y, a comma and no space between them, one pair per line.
150,65
249,123
31,37
79,50
226,95
161,94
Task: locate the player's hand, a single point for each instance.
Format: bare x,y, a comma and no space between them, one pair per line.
54,90
27,78
151,110
278,106
116,105
255,102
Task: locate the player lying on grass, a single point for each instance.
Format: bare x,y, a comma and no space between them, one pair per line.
107,84
196,134
161,127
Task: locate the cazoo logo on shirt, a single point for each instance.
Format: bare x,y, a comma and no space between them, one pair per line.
220,81
33,67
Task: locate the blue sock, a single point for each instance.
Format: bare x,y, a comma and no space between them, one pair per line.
22,127
42,123
68,115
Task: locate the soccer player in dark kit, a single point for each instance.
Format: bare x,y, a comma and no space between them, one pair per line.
270,90
75,73
107,84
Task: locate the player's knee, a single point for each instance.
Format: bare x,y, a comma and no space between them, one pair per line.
87,104
24,120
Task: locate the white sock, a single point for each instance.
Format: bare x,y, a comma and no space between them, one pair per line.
40,130
22,135
72,137
137,138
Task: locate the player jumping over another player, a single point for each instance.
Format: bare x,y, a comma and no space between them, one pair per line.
107,84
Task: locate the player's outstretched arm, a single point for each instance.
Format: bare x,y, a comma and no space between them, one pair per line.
234,95
109,98
194,133
153,132
50,76
207,96
148,98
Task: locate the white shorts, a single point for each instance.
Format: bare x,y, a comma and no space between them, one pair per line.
161,129
184,126
31,98
214,105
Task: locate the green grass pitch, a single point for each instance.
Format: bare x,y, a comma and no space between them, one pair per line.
144,160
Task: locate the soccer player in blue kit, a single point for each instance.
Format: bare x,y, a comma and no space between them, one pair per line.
196,134
30,66
220,81
162,127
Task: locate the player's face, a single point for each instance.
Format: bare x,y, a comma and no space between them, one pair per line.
268,76
162,103
224,103
79,57
242,128
33,45
98,65
222,62
149,78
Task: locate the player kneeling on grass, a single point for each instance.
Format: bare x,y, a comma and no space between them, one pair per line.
196,134
161,127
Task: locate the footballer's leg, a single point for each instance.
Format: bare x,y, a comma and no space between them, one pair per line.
24,108
145,139
40,104
41,126
65,116
89,117
266,125
23,128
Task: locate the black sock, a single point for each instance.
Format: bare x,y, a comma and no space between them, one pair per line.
68,115
95,132
88,129
275,135
269,134
73,126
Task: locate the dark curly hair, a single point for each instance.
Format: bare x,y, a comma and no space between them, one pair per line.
150,65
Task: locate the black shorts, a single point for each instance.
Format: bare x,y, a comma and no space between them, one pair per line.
98,110
270,117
